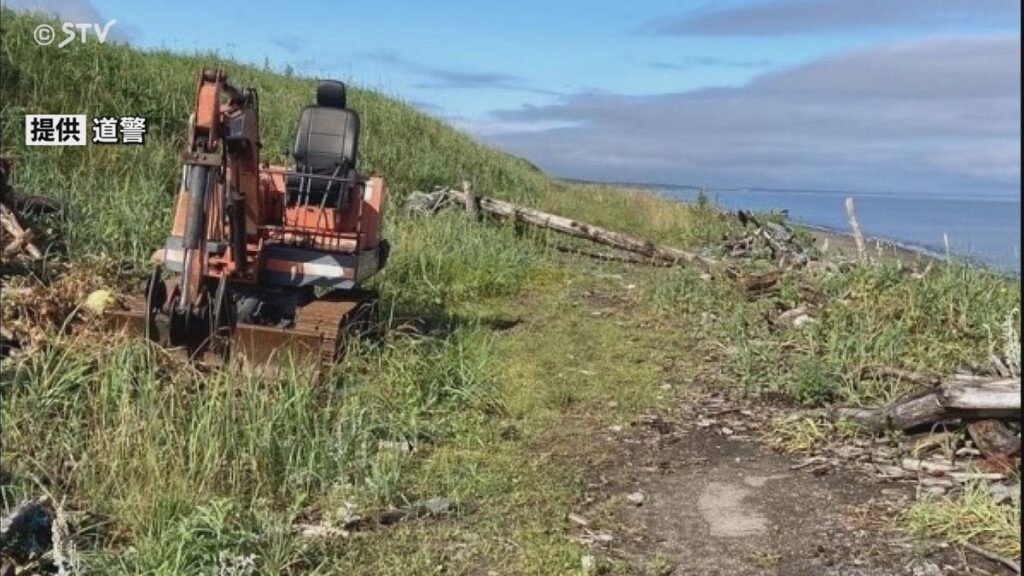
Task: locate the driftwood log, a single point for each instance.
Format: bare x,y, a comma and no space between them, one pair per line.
578,229
962,397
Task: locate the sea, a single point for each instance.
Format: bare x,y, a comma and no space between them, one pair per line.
983,230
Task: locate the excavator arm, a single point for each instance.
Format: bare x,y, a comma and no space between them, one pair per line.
219,200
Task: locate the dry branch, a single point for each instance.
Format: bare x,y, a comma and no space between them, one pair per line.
993,556
20,238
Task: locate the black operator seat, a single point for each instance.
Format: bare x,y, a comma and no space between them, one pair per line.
326,145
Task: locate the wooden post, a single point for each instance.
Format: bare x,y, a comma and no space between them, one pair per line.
472,204
858,238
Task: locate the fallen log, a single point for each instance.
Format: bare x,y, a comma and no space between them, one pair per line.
628,258
590,232
982,397
963,397
915,411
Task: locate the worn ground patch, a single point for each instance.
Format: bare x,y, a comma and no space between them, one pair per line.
712,504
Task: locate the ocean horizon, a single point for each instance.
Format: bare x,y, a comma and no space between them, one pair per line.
984,230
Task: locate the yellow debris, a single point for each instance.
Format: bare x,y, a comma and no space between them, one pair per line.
99,301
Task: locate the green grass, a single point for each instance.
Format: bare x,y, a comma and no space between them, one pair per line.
970,516
877,314
503,359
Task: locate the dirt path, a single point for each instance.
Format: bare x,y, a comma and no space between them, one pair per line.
667,493
677,500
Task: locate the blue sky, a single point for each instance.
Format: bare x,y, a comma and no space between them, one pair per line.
873,95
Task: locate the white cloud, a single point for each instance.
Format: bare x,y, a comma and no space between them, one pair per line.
935,115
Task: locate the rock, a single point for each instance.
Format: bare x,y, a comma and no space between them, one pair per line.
636,498
788,316
1005,492
994,438
802,320
437,506
927,568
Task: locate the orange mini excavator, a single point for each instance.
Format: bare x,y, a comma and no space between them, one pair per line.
261,258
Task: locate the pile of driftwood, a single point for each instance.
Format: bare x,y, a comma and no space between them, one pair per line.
988,407
15,239
770,240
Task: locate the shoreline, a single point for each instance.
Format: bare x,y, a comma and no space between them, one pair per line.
890,247
908,252
842,237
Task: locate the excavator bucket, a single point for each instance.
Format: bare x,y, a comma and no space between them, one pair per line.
318,334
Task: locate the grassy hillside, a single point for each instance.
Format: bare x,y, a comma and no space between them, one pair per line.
169,471
504,356
411,149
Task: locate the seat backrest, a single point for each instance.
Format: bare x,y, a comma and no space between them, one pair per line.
328,137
